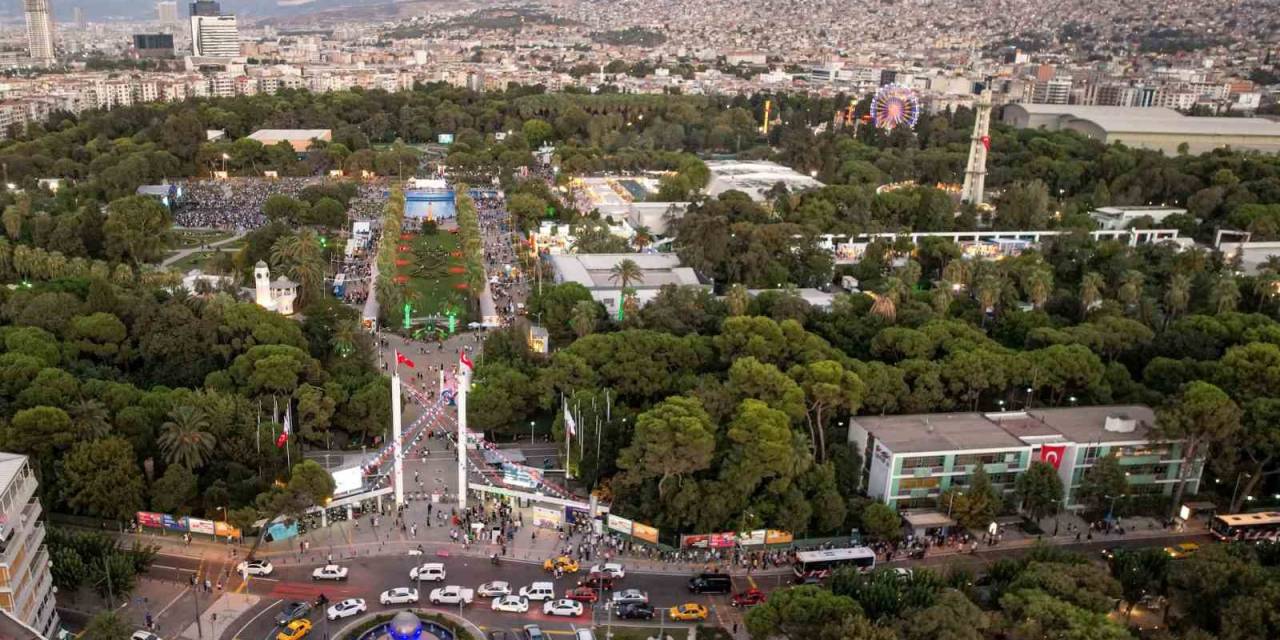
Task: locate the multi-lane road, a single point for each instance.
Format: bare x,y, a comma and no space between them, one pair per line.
370,576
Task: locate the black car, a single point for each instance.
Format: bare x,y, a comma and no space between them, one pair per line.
292,611
635,611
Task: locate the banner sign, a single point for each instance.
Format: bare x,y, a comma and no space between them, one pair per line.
173,524
224,530
751,538
710,540
620,524
775,536
200,525
546,518
148,519
644,532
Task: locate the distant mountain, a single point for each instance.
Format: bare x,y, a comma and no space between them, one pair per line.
142,9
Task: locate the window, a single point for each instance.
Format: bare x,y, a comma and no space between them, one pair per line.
908,484
922,462
917,503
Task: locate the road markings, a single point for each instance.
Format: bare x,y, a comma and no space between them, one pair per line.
172,602
251,620
165,566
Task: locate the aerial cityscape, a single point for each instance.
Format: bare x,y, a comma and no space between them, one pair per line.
621,320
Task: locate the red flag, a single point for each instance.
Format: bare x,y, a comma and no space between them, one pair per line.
1052,454
284,432
401,359
986,142
466,362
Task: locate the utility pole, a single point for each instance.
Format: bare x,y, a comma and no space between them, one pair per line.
195,599
111,596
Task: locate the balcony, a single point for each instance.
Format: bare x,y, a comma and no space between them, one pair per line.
20,545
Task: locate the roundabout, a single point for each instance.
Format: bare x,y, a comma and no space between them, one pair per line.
410,625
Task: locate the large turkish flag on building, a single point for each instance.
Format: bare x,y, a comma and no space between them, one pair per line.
1052,454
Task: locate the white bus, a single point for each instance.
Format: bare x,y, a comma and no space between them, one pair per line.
1247,527
810,565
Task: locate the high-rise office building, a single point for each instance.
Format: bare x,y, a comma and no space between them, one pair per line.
77,14
39,30
205,8
167,12
214,37
26,587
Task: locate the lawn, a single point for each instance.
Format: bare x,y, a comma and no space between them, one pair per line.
430,265
194,260
195,238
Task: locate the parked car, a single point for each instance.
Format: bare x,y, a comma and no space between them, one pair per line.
291,611
510,604
494,589
532,632
609,569
583,594
635,611
451,594
629,596
329,572
748,598
140,634
295,630
569,608
399,595
346,608
429,572
255,568
688,611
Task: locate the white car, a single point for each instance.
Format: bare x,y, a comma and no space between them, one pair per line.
451,594
255,568
511,604
494,589
346,608
143,635
329,572
539,591
430,572
399,595
630,596
609,570
569,608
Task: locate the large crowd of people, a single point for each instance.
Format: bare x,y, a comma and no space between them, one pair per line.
236,204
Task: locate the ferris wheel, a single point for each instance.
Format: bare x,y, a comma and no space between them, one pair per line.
895,105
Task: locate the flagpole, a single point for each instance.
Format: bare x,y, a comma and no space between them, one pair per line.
288,412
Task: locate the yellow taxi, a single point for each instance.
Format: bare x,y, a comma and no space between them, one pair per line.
1183,550
563,563
688,611
295,630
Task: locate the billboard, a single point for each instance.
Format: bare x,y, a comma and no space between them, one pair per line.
619,524
200,525
224,530
520,476
347,480
644,532
445,138
710,540
775,536
148,519
171,523
546,518
751,538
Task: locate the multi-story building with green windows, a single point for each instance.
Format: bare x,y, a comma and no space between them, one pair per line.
909,461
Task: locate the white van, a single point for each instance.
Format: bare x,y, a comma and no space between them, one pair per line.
539,591
583,634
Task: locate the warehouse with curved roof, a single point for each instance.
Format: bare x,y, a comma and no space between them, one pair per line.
1148,127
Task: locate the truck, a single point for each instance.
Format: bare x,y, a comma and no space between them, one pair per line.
451,594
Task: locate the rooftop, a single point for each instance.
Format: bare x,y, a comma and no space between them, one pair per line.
1155,120
755,178
10,466
289,134
938,432
593,270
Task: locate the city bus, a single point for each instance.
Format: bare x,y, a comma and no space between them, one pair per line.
817,565
1247,527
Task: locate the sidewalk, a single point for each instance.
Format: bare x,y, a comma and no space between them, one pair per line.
219,616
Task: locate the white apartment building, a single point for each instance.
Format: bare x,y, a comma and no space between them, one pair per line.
39,30
167,12
26,586
215,37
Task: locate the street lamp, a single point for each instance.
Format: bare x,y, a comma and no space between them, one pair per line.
530,432
1237,487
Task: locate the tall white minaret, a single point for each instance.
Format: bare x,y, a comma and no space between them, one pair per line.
262,284
975,174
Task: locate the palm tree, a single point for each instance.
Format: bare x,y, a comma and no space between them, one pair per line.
626,272
1037,283
642,238
1225,294
885,304
1178,295
91,419
302,258
583,318
941,296
988,292
183,437
738,300
958,272
1090,291
1131,284
343,339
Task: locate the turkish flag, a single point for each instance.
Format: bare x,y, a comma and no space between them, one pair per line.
401,359
1052,454
986,142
